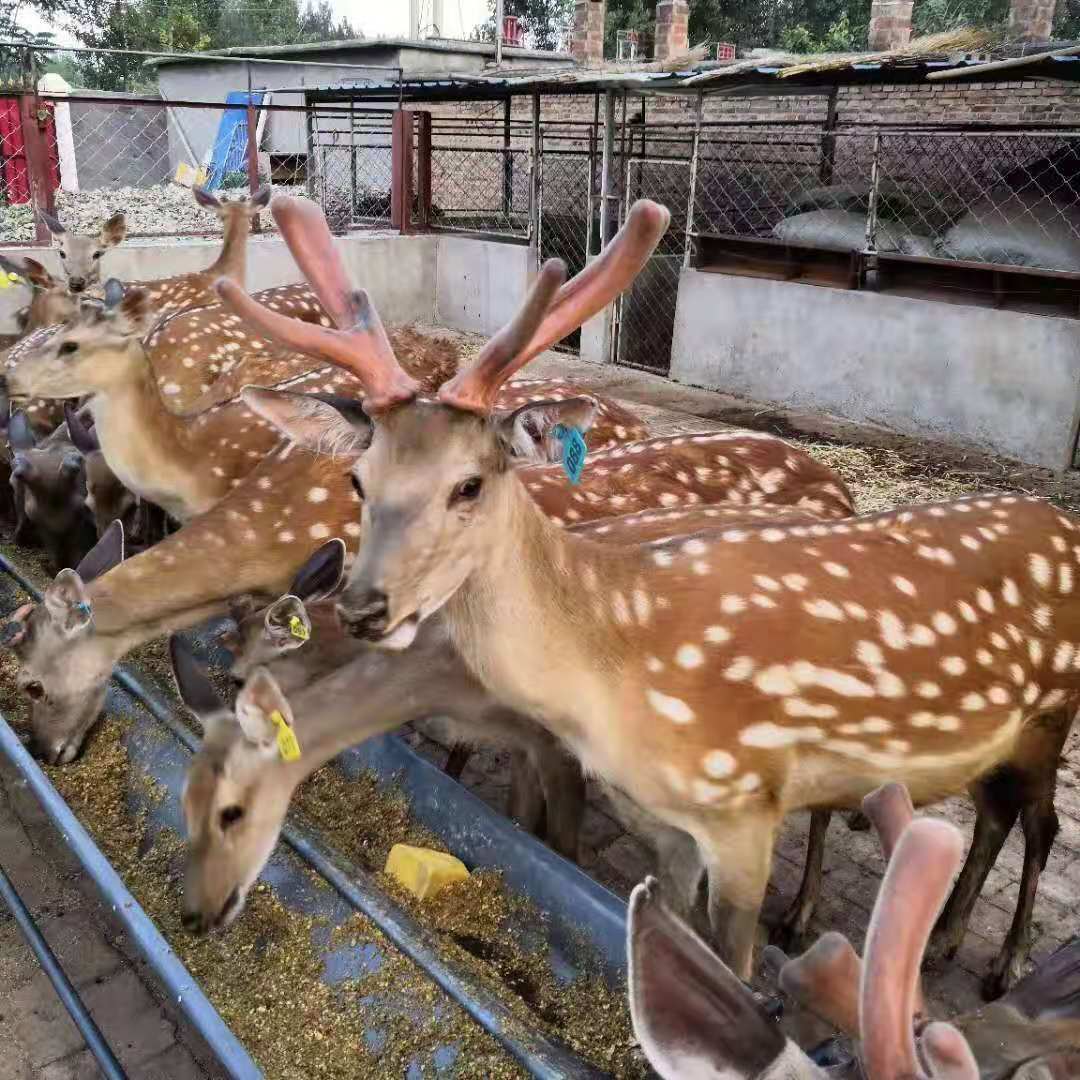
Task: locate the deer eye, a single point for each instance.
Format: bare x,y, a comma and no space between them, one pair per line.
68,348
97,255
467,490
34,691
63,254
356,485
230,816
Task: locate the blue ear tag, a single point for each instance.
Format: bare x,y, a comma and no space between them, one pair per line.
83,608
573,450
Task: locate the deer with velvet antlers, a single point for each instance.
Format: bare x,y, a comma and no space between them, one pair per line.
693,1017
721,678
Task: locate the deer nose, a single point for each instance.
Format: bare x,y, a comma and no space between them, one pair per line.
76,284
367,619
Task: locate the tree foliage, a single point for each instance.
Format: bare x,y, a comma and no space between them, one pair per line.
546,22
182,26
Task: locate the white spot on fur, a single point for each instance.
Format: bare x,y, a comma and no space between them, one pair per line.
672,708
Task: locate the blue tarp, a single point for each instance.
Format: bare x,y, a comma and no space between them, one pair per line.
229,154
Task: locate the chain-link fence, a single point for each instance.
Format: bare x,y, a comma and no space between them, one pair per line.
1005,198
480,175
350,166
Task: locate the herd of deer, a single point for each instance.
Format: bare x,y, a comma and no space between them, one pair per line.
702,622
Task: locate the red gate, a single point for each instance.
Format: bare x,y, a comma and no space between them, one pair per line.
15,169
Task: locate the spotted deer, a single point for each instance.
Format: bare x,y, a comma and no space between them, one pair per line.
720,679
81,255
50,302
252,541
693,1017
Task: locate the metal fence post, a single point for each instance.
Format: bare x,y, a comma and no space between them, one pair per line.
32,115
423,168
252,150
535,180
871,206
401,186
692,197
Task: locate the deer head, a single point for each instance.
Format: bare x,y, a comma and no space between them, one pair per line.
50,302
81,255
238,209
101,346
265,635
419,540
60,656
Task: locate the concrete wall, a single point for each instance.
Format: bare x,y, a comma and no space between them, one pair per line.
405,295
479,283
994,380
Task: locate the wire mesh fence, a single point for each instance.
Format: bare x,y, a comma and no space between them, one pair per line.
350,166
647,308
480,175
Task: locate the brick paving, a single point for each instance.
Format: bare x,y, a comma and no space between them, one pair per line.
37,1038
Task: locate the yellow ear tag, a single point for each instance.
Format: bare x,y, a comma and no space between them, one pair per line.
287,743
9,279
297,628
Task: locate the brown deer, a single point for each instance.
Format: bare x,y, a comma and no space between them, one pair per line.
918,644
80,255
694,1017
250,542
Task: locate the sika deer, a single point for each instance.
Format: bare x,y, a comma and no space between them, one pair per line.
80,255
50,302
917,644
252,542
693,1017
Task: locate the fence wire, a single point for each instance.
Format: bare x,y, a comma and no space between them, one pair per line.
350,167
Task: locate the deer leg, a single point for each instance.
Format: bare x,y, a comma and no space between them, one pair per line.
737,852
998,801
792,927
526,794
563,796
1040,823
457,760
1040,752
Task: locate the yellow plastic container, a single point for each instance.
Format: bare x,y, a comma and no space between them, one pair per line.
422,871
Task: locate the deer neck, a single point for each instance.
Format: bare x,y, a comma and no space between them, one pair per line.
532,628
232,260
147,446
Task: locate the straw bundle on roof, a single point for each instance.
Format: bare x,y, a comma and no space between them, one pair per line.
964,40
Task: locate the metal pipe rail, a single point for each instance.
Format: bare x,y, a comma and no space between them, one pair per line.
68,995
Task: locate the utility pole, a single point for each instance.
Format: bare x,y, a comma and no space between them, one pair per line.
498,31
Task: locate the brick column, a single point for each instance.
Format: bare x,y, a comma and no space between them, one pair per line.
1031,20
587,41
672,28
890,24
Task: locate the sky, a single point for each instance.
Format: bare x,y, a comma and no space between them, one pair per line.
376,18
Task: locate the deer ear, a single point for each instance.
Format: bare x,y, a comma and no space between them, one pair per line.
261,199
320,576
256,704
67,604
527,432
114,230
52,223
321,423
204,198
82,437
114,293
287,623
193,683
107,553
691,1014
20,433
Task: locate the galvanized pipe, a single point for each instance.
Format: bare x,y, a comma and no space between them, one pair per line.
68,995
181,988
